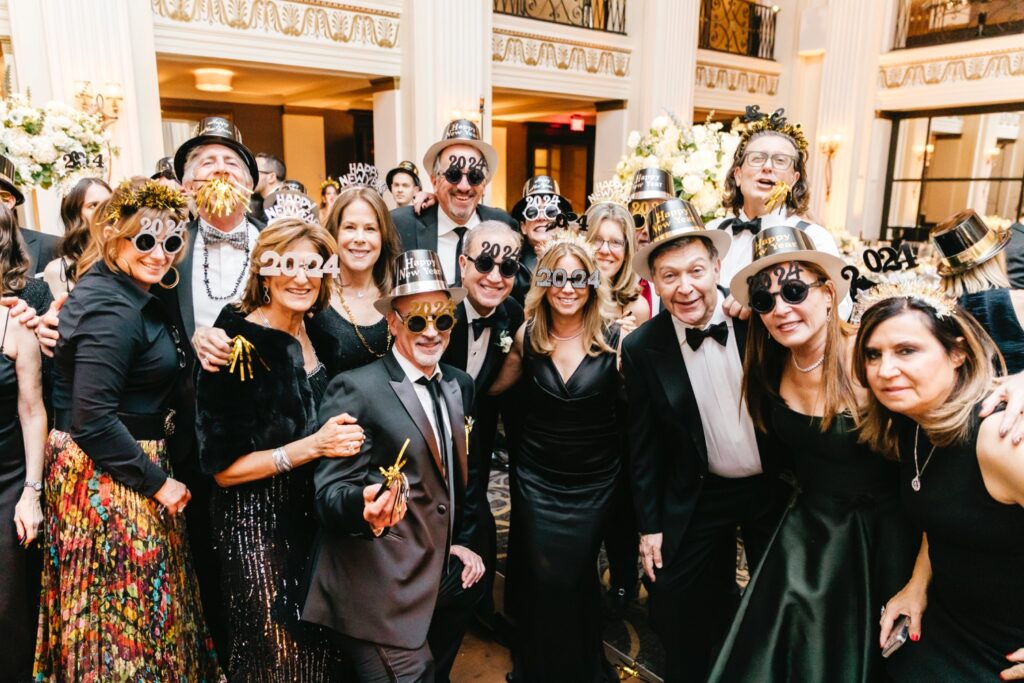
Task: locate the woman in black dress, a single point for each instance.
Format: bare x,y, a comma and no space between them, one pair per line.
260,449
810,611
22,437
367,245
929,365
566,467
76,213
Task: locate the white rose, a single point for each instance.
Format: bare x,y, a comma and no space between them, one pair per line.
707,200
679,167
692,184
660,123
43,150
651,162
633,139
25,172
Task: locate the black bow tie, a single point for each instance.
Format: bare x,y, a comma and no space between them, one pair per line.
753,226
481,324
718,332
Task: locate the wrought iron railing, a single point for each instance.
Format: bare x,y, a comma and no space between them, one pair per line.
935,22
741,27
600,15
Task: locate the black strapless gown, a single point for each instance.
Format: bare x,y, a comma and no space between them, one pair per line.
343,349
975,613
843,548
564,477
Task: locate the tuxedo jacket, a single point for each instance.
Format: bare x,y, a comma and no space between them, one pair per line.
667,450
1015,256
40,247
420,232
384,589
507,319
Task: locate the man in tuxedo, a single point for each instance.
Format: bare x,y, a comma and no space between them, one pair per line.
460,165
40,247
399,588
697,467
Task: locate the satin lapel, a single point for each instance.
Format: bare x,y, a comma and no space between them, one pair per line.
457,419
457,353
184,288
493,356
407,395
426,229
739,328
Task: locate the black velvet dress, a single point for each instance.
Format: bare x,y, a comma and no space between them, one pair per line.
842,549
993,308
975,613
343,348
564,478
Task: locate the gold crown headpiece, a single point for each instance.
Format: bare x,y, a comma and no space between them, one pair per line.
610,192
152,195
329,182
571,235
918,290
757,122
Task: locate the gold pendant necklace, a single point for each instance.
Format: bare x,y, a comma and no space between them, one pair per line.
362,339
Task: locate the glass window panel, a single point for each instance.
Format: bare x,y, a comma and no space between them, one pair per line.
903,201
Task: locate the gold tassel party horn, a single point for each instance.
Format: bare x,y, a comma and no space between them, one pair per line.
391,474
242,351
220,196
778,196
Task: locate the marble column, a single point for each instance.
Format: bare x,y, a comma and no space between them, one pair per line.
667,61
609,138
387,125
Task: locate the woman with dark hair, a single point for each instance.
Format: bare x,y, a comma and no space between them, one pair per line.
261,453
367,243
14,266
566,467
329,190
843,545
929,365
76,212
120,599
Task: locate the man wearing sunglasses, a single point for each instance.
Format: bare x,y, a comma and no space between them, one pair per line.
698,468
399,588
39,246
461,164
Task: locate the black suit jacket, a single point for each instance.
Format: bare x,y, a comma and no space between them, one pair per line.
1015,256
507,319
383,590
40,247
667,449
420,232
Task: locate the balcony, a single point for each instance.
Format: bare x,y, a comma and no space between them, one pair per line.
920,23
599,15
739,27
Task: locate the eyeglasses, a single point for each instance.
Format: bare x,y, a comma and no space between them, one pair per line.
474,176
549,211
145,242
485,263
417,322
780,162
791,291
616,245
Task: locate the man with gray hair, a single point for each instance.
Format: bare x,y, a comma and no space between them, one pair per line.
461,165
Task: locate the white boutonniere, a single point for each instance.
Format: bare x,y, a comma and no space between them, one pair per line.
505,341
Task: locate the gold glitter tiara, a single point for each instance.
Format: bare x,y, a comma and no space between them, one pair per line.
152,195
758,122
610,192
328,182
918,290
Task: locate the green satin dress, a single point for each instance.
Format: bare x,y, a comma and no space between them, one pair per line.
842,549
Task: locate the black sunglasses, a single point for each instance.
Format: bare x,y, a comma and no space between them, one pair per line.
145,242
791,291
485,263
474,176
417,323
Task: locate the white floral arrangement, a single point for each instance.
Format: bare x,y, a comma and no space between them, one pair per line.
698,157
51,145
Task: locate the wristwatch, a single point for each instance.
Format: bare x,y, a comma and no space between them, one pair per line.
36,486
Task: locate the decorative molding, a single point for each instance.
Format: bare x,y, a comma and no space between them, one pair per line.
719,77
558,54
954,69
318,19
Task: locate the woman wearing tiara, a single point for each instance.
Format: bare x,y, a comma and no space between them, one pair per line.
329,190
566,466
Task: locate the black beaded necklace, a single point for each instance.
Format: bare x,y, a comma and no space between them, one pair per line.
241,273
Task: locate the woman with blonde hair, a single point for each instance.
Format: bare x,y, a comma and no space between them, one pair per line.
262,453
120,599
929,366
610,231
566,466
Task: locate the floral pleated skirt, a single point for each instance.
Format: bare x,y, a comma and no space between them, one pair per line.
120,601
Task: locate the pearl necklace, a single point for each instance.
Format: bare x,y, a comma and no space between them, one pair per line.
570,338
812,367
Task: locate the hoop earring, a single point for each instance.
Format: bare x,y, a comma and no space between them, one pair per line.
266,295
177,279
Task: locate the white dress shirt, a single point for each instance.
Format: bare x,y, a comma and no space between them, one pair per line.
716,375
423,394
448,242
476,349
226,262
741,252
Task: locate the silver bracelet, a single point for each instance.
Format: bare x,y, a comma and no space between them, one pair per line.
281,460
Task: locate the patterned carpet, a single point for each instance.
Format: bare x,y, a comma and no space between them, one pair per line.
629,642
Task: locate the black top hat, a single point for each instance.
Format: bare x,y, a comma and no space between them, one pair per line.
652,183
964,241
782,244
671,220
404,167
418,272
7,175
164,169
461,132
540,186
214,130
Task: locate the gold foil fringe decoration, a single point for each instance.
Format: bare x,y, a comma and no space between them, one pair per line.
242,352
220,196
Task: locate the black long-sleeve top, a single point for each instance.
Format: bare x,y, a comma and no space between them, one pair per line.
116,354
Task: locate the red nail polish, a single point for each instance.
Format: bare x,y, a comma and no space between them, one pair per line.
916,637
